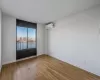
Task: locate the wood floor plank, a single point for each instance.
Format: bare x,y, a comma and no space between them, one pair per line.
44,68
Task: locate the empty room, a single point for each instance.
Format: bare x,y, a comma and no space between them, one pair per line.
49,39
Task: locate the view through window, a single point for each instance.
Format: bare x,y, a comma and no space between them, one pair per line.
26,38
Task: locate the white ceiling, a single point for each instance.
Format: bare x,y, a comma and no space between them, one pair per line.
43,11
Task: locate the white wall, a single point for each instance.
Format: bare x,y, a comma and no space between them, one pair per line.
0,39
76,40
9,39
40,39
46,41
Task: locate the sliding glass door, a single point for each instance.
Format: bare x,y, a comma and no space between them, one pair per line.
26,39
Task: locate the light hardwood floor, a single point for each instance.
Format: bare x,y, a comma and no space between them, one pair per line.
44,68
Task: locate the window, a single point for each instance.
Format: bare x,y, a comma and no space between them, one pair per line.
31,38
21,38
26,37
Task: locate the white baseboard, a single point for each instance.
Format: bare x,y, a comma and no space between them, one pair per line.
25,58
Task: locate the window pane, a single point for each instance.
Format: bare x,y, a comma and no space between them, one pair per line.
31,38
21,38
